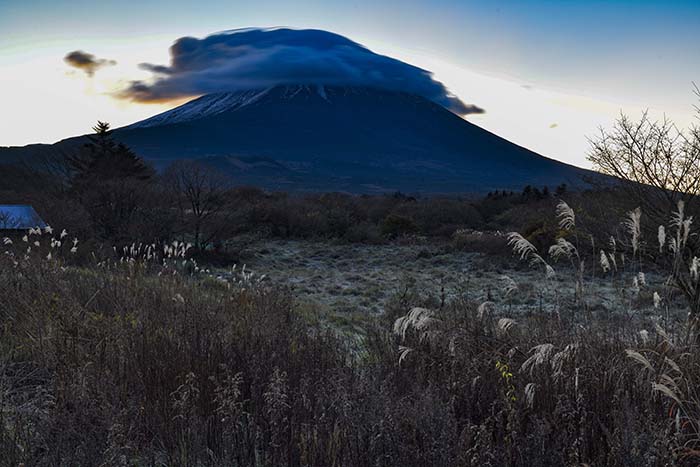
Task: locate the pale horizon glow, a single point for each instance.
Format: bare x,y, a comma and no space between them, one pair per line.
43,100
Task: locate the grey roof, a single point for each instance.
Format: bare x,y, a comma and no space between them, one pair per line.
19,217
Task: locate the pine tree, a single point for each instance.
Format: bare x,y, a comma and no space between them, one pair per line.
104,159
108,178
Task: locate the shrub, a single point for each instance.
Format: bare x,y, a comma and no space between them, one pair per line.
363,233
394,225
491,243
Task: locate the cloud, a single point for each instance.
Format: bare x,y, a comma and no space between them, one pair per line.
259,58
86,62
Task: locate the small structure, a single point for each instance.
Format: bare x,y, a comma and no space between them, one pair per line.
16,218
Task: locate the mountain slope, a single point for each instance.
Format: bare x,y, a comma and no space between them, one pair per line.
354,139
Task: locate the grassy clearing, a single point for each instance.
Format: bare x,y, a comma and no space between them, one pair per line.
144,359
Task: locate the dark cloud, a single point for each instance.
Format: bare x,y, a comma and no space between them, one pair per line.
257,58
86,62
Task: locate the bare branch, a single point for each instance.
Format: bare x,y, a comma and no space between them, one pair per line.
659,162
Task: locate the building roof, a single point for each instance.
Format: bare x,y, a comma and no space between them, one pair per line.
19,217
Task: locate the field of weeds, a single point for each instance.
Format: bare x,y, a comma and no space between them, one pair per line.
349,281
577,355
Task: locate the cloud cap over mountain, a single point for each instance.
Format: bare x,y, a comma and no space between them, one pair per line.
256,58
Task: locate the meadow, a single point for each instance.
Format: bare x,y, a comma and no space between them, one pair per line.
482,348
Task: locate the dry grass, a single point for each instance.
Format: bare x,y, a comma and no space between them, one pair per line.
143,358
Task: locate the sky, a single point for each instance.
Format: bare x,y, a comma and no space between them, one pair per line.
548,74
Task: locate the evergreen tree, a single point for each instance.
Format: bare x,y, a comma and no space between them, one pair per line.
104,159
109,180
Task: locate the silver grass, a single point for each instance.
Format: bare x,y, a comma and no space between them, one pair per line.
604,262
403,352
673,365
485,310
562,248
541,355
504,325
644,335
536,260
668,381
521,246
561,358
673,246
665,390
661,236
664,335
526,250
682,225
639,358
530,394
566,215
641,279
475,382
549,272
694,268
678,216
418,318
509,285
633,225
685,230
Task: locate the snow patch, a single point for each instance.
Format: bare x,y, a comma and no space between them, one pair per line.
205,106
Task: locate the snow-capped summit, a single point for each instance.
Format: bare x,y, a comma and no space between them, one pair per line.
205,106
218,103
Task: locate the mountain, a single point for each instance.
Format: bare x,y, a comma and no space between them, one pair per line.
329,138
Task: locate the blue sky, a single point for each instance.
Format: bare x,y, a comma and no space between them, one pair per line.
547,72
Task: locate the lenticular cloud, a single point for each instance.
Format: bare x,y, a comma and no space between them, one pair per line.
258,58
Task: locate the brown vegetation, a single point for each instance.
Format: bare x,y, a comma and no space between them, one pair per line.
140,359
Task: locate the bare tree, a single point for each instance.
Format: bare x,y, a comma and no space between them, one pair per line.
199,193
661,167
659,162
54,166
